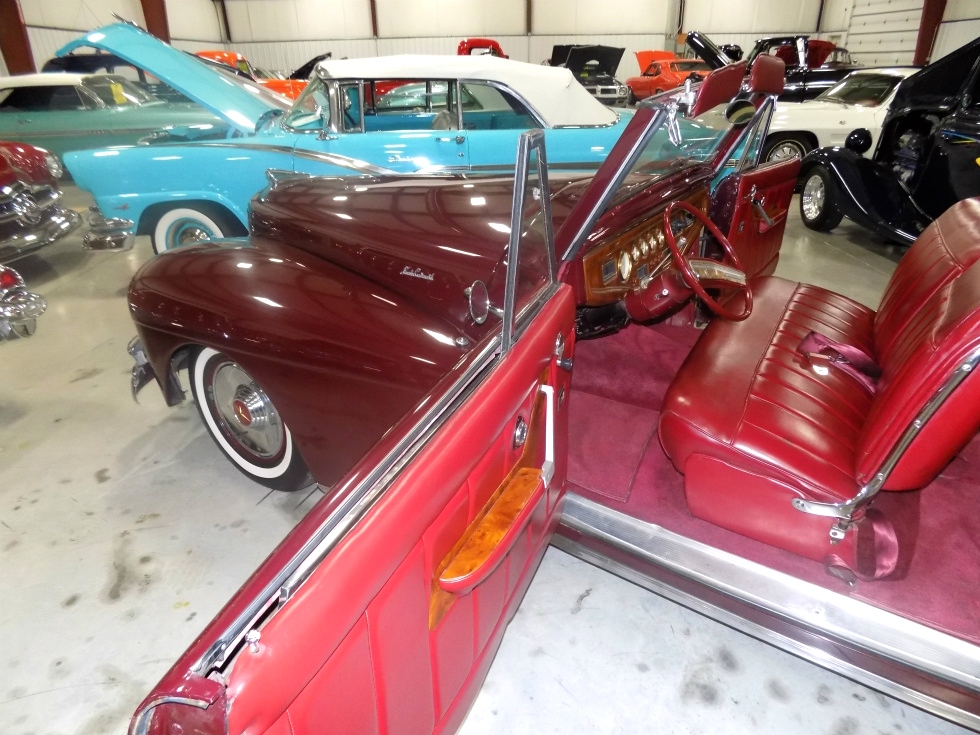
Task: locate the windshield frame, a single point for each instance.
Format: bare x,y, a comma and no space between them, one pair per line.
619,165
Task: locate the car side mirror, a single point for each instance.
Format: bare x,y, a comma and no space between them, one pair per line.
479,299
739,111
858,141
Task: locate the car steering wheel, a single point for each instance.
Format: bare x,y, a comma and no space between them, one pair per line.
697,271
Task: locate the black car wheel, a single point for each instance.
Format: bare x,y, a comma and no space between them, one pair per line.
818,201
781,147
245,424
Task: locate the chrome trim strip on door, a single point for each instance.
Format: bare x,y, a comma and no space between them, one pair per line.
858,623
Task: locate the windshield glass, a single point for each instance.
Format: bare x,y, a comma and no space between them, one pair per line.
867,90
699,139
684,66
116,91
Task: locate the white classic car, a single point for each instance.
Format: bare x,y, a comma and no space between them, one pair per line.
859,100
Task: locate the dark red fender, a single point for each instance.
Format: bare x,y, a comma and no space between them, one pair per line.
354,650
733,209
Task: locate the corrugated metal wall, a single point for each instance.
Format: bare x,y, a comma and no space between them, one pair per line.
876,31
961,24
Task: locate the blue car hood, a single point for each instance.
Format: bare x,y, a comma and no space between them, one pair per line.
240,103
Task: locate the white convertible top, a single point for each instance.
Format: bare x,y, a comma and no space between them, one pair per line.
553,92
43,79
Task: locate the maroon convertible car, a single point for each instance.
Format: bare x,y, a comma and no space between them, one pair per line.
473,363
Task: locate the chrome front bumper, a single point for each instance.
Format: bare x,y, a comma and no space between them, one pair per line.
53,223
19,310
112,234
142,370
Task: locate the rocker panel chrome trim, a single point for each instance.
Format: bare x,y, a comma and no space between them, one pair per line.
805,605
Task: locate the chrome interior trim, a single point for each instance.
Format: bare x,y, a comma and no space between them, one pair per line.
858,623
712,270
845,509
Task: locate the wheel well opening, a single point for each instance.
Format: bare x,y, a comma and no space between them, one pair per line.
804,136
218,212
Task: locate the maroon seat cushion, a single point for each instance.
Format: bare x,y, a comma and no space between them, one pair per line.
746,396
753,426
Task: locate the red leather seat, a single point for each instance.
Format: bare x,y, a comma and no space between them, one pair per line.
753,426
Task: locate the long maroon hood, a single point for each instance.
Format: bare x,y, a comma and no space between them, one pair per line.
424,241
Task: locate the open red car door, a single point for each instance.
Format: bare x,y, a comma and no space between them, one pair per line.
388,617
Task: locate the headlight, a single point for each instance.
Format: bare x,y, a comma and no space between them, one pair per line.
54,165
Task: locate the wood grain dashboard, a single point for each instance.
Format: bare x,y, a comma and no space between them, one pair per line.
637,253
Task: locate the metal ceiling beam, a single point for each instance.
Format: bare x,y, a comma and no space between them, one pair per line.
14,43
155,15
932,16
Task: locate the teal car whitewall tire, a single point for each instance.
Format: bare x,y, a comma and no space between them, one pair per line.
191,224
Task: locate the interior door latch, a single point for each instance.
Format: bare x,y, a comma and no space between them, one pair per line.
757,203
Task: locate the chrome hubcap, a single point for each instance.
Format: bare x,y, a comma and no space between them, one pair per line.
190,234
814,193
783,151
246,411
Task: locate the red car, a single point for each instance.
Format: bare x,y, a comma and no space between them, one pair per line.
19,308
472,363
663,71
469,46
30,215
290,88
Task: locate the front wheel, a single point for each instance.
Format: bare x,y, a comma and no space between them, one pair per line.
191,224
244,423
818,201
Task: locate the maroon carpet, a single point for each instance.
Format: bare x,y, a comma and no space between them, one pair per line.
616,460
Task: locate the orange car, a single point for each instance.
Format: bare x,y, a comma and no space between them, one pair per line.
286,87
663,70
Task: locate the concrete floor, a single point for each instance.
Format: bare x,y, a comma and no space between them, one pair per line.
123,530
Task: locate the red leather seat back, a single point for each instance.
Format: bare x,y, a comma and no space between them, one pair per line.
719,86
768,75
938,337
942,252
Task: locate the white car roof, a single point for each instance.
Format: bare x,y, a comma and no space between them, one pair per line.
553,92
44,79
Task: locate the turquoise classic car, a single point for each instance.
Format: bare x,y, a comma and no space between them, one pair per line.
462,114
63,112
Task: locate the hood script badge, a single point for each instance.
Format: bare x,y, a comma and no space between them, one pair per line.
417,273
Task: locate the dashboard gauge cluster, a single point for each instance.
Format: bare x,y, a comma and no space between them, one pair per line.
626,260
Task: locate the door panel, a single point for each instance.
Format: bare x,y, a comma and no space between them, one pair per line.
358,645
751,207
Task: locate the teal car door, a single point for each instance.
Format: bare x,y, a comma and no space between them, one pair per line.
414,125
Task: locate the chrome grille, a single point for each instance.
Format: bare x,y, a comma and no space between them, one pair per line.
18,201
